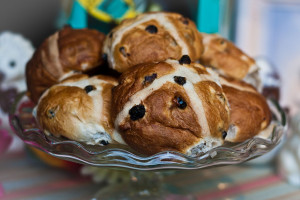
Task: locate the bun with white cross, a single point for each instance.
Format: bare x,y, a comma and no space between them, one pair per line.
63,54
174,105
79,109
249,111
180,90
150,37
228,60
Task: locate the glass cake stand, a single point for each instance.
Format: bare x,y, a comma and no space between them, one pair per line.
144,181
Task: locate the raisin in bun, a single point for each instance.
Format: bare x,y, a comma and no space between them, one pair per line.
149,37
249,111
229,60
170,106
64,53
79,109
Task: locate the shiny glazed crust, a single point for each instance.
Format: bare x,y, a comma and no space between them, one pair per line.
79,109
249,111
150,37
200,116
224,56
64,53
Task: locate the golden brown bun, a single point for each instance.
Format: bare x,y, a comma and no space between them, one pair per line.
224,56
151,37
249,111
79,109
168,106
65,52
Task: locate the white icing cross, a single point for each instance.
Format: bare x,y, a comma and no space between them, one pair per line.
162,20
192,78
238,87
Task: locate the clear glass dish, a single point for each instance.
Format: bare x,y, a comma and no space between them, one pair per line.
122,156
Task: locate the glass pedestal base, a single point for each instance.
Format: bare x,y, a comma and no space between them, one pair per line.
141,185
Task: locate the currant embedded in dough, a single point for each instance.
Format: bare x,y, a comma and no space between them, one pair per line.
170,105
79,109
152,37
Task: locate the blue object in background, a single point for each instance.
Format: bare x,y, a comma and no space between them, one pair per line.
78,16
103,15
208,19
116,8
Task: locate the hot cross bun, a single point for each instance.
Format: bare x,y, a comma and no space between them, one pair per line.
79,109
170,106
64,53
150,37
249,111
228,59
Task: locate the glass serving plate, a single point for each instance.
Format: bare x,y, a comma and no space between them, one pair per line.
26,128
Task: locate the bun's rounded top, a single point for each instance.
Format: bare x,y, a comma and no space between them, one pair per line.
78,108
224,56
249,111
154,36
171,105
64,53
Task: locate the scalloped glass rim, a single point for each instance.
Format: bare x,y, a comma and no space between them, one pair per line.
124,157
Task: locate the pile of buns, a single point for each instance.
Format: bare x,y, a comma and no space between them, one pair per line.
174,88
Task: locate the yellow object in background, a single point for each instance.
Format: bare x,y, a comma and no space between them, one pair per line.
53,161
110,10
102,15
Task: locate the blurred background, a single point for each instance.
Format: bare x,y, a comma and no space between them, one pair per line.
261,28
267,30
